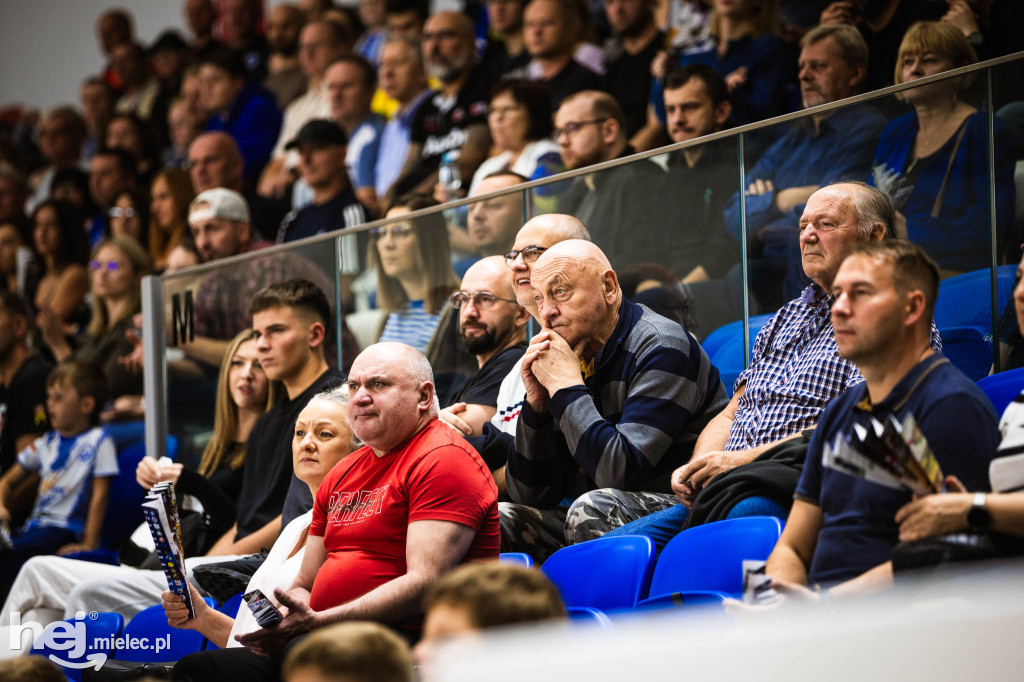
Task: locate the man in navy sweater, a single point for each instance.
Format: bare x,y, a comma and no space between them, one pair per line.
616,396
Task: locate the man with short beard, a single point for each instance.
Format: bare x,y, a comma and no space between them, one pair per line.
551,31
506,53
492,326
455,119
628,55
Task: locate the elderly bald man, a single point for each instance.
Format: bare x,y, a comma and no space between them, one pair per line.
616,396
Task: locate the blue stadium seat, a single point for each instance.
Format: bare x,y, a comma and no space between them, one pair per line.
969,349
151,624
106,626
589,616
610,574
727,349
965,300
705,563
1002,388
521,558
124,505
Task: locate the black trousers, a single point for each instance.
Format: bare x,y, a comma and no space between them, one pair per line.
230,665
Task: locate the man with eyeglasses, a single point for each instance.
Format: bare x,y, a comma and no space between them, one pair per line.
455,119
616,396
623,207
111,172
61,136
492,326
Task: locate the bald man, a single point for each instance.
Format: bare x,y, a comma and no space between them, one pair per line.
492,326
613,391
214,160
388,521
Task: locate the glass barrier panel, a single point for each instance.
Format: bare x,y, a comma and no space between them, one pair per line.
1007,94
659,221
207,310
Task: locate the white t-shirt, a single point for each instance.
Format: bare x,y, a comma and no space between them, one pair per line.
511,395
278,571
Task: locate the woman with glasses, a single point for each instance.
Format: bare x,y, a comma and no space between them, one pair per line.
61,251
414,273
170,195
116,270
519,118
129,216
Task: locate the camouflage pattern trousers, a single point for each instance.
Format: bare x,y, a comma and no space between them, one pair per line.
542,532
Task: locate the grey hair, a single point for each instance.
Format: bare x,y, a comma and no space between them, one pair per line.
338,394
872,205
849,42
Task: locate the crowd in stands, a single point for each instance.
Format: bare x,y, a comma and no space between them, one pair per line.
502,385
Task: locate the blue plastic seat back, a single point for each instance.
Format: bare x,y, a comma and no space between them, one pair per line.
965,300
1002,388
726,352
969,349
608,573
230,606
586,615
719,337
521,558
710,557
100,633
151,625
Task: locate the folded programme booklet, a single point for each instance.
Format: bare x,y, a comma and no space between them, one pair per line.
161,512
889,452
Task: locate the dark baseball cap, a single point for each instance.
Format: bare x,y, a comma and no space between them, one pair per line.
319,133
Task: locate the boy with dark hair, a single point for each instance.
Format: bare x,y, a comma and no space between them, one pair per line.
290,319
75,462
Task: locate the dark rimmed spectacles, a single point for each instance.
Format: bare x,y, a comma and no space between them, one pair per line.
529,254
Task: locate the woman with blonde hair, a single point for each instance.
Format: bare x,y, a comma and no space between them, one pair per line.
171,193
116,270
933,160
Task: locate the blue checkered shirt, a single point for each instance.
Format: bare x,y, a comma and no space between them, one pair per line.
794,371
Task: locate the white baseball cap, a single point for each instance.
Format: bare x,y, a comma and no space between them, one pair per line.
219,202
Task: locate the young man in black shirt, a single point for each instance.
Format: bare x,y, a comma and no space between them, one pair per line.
290,320
628,55
551,32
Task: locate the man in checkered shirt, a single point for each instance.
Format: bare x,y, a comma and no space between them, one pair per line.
795,368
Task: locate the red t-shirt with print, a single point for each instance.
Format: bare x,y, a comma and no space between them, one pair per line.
364,507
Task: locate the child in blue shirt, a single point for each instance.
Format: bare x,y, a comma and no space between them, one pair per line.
74,461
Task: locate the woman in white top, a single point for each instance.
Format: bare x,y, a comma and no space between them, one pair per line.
519,118
322,438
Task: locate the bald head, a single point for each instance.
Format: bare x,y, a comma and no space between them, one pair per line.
450,20
577,294
215,161
390,395
491,272
541,232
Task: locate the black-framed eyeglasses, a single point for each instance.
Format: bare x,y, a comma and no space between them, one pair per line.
399,231
573,127
529,254
483,300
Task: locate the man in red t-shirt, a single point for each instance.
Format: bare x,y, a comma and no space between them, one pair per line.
395,515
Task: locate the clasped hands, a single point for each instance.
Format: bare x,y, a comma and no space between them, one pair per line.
549,365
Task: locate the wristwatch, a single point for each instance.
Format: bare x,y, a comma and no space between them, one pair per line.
976,39
977,515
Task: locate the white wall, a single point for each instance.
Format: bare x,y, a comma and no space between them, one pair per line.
47,47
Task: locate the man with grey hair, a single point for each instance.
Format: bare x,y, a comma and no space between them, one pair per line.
812,153
402,77
455,119
61,136
752,453
391,518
